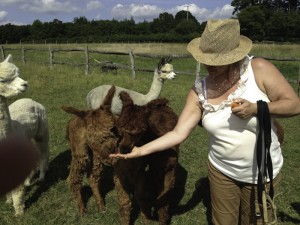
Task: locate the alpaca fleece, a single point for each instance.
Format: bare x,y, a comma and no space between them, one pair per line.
164,71
150,179
92,138
26,118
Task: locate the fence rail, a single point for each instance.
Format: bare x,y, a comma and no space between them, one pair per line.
87,62
112,66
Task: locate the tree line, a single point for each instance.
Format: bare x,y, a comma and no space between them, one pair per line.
268,20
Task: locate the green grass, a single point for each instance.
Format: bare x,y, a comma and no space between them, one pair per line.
51,202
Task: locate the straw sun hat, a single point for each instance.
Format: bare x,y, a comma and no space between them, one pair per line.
220,43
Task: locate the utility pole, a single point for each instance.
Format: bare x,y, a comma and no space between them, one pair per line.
187,11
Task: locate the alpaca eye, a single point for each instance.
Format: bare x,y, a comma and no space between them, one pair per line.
5,81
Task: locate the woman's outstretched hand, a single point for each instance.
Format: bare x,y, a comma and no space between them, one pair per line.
136,152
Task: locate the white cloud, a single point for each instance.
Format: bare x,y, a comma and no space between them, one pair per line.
137,12
193,9
92,5
202,14
7,2
3,20
141,12
3,15
224,12
49,6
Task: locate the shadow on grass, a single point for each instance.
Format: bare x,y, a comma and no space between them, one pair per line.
59,170
286,218
175,196
200,194
106,185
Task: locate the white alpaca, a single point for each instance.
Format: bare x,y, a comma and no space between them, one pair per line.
24,116
29,118
162,72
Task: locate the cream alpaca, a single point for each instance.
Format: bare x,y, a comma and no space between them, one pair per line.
163,72
23,116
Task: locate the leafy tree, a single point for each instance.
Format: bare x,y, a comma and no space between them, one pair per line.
242,4
187,27
285,5
127,26
80,20
163,24
143,28
11,33
252,21
55,29
283,26
37,30
276,20
184,15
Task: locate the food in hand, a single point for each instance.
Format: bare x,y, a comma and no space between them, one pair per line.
235,104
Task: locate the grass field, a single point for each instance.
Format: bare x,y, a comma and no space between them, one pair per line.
51,202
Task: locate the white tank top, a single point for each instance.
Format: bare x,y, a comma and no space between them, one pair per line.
232,141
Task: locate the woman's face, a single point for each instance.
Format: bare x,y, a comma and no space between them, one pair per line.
217,70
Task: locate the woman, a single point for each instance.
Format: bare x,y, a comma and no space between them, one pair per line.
233,76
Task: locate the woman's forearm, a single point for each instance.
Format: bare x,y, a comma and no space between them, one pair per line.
284,108
164,142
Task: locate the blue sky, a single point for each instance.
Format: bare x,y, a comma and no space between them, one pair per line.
26,11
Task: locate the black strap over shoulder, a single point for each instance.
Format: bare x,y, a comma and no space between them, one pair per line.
264,161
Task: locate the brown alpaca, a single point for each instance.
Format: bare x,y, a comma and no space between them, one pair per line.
92,138
149,179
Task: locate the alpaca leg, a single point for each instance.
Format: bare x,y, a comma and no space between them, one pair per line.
43,146
94,179
125,204
9,199
164,199
28,180
141,194
18,200
77,170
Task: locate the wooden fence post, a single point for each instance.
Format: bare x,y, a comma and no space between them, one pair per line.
23,55
87,63
51,56
132,63
2,52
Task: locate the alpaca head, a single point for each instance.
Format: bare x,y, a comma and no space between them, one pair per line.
132,124
10,82
165,69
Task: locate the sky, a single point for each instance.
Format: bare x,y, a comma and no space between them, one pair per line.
21,12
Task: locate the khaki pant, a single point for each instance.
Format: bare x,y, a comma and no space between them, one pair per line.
234,202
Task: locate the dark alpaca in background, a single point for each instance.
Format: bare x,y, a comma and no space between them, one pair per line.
149,179
92,138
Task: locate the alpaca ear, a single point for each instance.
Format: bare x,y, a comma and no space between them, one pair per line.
169,59
157,103
109,96
161,63
125,98
8,58
77,112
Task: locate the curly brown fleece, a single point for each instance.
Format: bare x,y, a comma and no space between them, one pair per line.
151,179
92,138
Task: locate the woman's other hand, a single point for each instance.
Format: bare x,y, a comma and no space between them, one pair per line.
243,108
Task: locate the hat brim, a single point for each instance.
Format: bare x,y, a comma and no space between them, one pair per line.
219,59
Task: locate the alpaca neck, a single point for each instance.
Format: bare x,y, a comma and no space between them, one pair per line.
156,87
5,120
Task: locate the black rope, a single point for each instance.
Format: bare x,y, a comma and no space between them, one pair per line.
264,161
